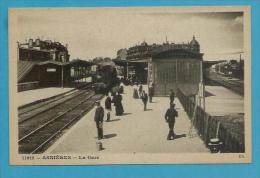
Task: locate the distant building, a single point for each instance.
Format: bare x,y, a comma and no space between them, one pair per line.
45,63
121,54
169,66
43,50
176,66
145,50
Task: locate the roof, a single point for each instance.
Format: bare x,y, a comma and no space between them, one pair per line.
52,62
106,63
141,60
36,49
24,67
73,63
177,52
79,62
120,62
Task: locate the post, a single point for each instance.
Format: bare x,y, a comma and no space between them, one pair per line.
127,70
176,73
201,93
62,85
203,86
204,101
39,74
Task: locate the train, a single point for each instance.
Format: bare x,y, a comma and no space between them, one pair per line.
105,77
232,68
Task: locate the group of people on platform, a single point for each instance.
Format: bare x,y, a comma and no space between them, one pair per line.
138,93
116,98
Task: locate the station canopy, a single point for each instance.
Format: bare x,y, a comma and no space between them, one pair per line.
73,63
120,62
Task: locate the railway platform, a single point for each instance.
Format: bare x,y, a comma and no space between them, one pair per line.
137,131
221,101
31,96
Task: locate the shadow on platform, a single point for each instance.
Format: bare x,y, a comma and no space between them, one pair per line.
207,94
127,113
179,136
113,120
110,136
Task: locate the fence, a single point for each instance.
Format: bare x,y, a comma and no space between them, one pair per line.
230,133
27,86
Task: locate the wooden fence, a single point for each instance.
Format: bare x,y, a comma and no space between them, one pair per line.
206,126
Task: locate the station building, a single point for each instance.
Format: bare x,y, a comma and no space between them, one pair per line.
46,63
169,66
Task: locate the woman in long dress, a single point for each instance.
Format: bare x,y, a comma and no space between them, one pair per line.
135,92
117,100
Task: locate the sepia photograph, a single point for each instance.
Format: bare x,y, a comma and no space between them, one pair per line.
129,85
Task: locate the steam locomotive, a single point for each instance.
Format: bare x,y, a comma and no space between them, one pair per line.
232,68
105,77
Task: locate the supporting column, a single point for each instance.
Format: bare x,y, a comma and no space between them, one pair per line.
62,77
127,72
176,74
203,86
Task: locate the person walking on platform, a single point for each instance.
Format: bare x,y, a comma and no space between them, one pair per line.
121,88
172,95
170,115
151,92
98,118
108,103
114,90
117,100
135,92
140,89
144,98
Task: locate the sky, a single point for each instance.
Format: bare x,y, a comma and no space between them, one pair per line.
100,32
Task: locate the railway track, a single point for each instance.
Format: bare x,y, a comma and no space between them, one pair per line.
36,133
236,86
31,110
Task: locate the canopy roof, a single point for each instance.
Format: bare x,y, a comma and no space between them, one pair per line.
73,63
24,67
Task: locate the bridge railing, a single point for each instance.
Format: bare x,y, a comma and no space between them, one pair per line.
231,130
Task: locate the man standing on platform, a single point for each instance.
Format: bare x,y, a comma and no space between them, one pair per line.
172,95
98,118
151,92
170,115
108,103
